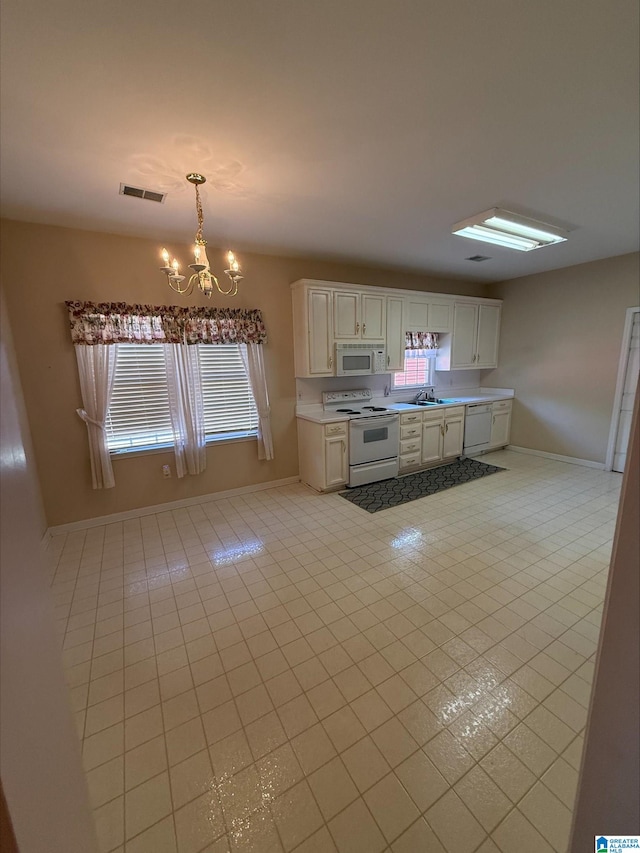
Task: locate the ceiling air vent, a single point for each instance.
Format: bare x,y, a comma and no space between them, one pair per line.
140,192
479,258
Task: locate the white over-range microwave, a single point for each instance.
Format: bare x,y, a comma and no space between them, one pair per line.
360,359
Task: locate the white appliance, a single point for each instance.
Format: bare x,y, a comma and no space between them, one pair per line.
477,428
374,435
360,359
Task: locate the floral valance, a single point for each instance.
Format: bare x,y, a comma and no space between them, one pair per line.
421,340
118,323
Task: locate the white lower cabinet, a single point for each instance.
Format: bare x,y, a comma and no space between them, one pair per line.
501,423
323,452
432,433
430,436
453,433
335,462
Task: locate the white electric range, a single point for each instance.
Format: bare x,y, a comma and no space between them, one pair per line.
374,435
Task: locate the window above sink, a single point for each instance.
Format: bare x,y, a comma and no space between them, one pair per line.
419,370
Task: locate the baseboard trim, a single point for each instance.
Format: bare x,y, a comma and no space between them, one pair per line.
140,512
573,460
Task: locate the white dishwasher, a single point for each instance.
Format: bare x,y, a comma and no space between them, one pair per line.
477,428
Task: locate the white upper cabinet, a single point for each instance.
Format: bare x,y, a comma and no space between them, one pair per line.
395,332
417,311
426,314
326,313
440,316
463,346
487,338
473,342
374,317
359,316
313,332
346,315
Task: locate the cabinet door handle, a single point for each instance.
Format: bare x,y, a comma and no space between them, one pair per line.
364,328
494,420
330,360
446,427
357,328
441,430
388,360
344,446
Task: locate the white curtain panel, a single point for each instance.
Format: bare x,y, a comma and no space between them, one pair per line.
254,365
186,406
97,370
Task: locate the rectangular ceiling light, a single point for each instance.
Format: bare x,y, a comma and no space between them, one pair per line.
510,230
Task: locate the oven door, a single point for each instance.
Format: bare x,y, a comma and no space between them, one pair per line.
373,439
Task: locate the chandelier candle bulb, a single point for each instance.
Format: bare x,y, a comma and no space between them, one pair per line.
167,268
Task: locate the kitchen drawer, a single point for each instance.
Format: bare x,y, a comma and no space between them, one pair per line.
411,418
502,406
335,429
411,445
433,415
454,412
410,431
409,460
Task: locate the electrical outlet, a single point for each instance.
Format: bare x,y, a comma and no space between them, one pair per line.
166,471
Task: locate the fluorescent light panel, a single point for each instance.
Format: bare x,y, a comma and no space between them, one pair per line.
510,230
488,235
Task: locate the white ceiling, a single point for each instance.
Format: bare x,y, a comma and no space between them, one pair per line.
358,130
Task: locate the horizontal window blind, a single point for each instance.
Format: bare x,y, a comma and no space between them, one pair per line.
229,406
139,412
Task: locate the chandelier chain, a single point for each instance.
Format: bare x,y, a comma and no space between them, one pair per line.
199,237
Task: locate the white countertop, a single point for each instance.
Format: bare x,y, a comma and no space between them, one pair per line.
314,411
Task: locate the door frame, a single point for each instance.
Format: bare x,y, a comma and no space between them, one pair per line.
617,400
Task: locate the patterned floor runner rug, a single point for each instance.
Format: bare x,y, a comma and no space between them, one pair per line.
387,493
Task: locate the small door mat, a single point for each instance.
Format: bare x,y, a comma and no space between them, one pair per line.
376,496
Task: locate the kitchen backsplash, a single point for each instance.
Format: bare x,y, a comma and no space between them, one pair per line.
310,390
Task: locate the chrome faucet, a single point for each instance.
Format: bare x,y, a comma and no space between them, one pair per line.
425,395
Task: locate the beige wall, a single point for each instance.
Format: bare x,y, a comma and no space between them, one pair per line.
40,762
43,265
559,348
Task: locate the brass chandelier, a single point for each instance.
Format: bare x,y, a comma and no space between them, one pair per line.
202,274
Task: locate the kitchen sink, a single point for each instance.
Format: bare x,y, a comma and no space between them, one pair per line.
430,403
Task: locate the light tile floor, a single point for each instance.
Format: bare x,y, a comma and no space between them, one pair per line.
283,671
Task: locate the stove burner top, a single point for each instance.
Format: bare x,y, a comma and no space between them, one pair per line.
374,409
348,411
